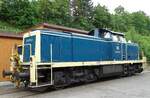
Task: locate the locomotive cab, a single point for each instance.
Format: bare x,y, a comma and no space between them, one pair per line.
108,35
118,37
101,33
19,48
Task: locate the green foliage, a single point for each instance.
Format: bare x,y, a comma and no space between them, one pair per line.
53,11
143,41
121,20
101,17
81,14
141,22
82,8
6,27
18,12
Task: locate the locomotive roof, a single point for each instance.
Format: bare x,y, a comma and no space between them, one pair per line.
118,33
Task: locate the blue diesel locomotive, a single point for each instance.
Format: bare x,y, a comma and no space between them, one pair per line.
53,58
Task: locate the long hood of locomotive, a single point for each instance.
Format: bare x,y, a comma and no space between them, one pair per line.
53,46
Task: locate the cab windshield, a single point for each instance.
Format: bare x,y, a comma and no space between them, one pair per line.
118,38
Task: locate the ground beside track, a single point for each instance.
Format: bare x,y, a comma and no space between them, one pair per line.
137,86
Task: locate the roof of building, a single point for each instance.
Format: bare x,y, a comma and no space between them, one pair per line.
42,26
51,27
11,35
55,27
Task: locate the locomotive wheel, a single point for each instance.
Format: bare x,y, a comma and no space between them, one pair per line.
61,80
89,76
131,70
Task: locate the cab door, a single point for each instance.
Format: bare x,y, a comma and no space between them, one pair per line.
27,52
28,48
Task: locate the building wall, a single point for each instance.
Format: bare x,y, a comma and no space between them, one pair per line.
6,45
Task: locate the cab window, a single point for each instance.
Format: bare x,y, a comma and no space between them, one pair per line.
122,39
20,50
106,35
115,38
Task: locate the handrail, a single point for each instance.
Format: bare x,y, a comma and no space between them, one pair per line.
51,52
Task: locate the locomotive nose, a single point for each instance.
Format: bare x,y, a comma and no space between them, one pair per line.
6,73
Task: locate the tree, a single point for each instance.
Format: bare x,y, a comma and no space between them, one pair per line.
43,9
82,8
81,14
17,12
119,10
141,22
121,20
53,11
101,18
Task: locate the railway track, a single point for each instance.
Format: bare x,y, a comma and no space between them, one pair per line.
6,92
11,92
17,93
